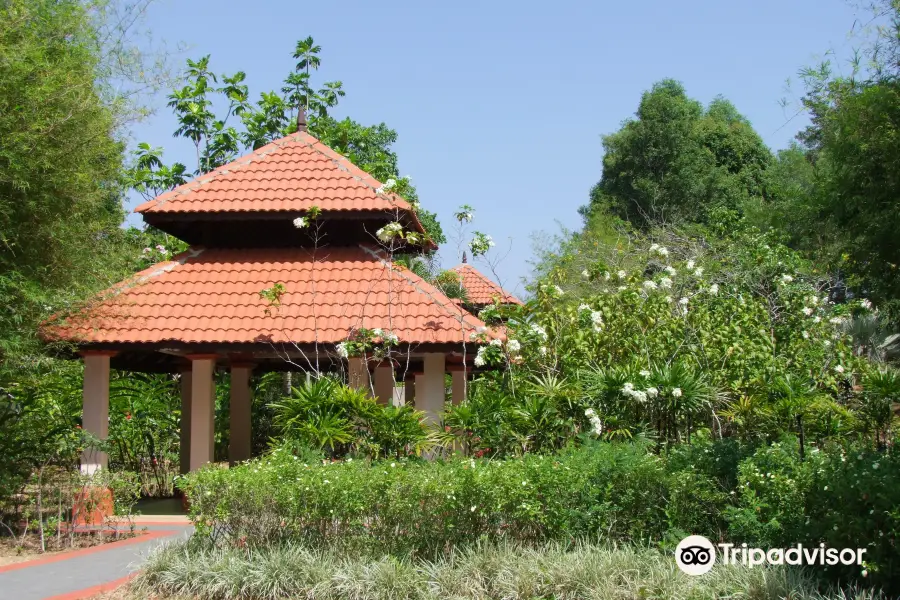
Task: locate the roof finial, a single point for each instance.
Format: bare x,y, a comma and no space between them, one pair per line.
301,120
465,260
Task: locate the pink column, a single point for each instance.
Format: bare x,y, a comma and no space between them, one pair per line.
203,391
240,428
95,407
384,383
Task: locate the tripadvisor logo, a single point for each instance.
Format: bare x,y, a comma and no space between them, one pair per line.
696,555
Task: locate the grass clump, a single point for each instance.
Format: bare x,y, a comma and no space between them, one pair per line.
197,569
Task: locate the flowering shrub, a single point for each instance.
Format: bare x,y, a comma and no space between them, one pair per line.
844,497
401,506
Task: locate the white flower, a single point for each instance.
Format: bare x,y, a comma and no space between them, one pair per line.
639,396
387,186
839,369
835,320
786,278
622,274
669,298
558,290
698,272
665,283
513,346
543,350
650,285
589,412
714,289
300,222
814,300
540,331
807,311
627,388
583,307
865,304
805,335
652,392
377,332
606,275
817,319
690,264
479,358
676,393
473,508
683,301
473,335
393,465
585,274
622,288
390,337
654,247
597,320
645,373
342,349
670,270
663,251
389,231
147,250
497,343
826,343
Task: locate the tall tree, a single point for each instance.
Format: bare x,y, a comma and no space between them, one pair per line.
60,163
677,161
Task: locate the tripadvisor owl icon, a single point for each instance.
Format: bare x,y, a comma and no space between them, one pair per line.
695,555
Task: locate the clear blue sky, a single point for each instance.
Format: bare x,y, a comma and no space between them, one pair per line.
501,104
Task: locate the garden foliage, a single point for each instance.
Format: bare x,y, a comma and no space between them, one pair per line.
605,492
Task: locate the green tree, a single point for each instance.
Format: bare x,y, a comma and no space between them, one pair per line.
679,162
60,164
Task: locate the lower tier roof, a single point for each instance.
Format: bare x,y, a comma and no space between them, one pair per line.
212,296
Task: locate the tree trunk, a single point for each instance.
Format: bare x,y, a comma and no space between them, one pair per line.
802,438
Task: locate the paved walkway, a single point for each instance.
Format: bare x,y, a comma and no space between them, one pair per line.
82,573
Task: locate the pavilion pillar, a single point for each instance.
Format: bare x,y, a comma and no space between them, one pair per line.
384,383
458,386
184,451
358,374
409,391
430,393
240,402
95,407
202,418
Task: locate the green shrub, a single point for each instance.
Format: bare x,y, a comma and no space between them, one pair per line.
616,492
610,491
485,572
844,497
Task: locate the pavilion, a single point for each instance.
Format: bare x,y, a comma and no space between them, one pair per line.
480,290
296,217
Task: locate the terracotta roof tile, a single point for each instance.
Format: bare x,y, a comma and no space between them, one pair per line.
291,174
212,296
480,289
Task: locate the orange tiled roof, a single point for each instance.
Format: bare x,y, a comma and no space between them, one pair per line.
291,174
212,296
480,289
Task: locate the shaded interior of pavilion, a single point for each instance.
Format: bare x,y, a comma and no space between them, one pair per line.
423,378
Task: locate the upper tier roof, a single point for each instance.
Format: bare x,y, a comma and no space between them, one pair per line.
480,290
212,296
289,175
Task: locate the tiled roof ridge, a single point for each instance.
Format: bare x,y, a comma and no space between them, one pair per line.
431,292
341,162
